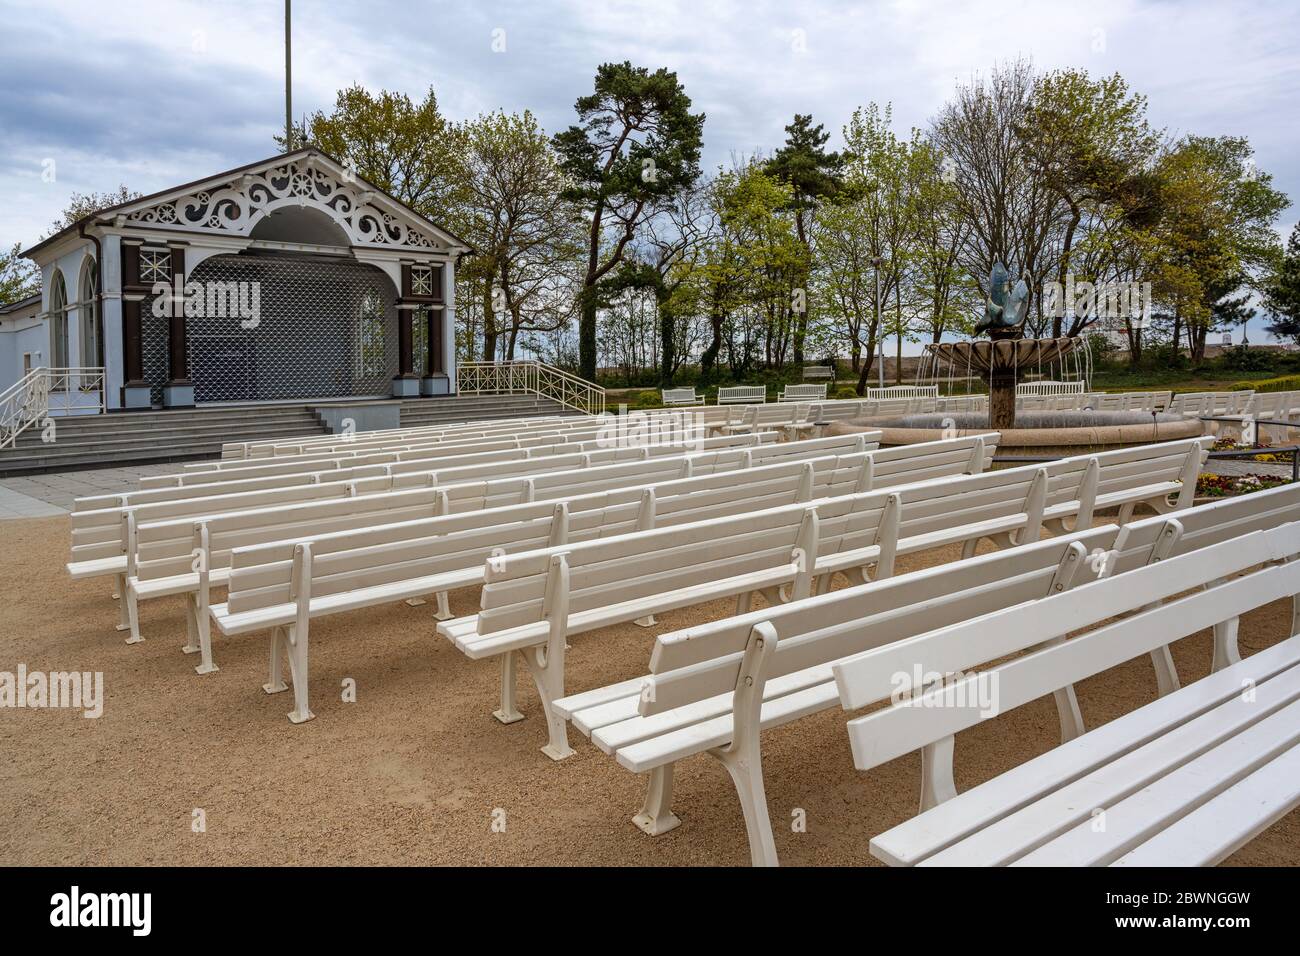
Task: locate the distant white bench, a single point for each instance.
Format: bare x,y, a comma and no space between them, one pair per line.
903,391
681,396
1185,780
270,447
818,373
1046,387
802,393
742,395
963,403
1208,404
714,687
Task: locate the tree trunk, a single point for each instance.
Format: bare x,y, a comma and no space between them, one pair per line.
1075,215
489,324
587,335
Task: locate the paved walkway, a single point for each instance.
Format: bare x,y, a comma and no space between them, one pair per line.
40,496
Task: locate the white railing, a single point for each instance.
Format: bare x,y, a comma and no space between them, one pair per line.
49,392
536,378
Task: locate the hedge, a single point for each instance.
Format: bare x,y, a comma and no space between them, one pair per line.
1286,383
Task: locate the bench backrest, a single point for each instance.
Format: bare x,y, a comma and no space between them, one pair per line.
963,403
803,393
264,447
524,588
903,391
742,395
1155,539
1051,388
704,661
924,715
420,437
679,396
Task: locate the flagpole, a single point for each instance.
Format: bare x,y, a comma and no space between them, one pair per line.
288,82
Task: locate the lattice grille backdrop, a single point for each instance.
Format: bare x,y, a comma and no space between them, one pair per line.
307,344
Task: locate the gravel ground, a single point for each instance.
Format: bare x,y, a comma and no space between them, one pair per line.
416,771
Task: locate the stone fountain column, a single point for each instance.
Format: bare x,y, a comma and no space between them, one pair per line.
1002,399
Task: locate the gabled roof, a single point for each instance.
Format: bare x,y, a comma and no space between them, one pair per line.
376,197
9,308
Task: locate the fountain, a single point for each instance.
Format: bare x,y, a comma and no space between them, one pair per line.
1003,360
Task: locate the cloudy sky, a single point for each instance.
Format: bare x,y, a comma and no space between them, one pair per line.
150,93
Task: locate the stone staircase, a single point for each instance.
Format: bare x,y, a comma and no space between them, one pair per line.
122,438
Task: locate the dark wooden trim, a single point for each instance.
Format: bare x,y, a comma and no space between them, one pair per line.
177,353
405,344
130,266
436,363
132,344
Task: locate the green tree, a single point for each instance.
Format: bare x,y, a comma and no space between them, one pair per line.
637,143
1089,141
527,237
1215,232
82,205
814,175
407,149
1282,295
19,277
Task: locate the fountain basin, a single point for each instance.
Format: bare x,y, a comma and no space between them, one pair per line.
1037,434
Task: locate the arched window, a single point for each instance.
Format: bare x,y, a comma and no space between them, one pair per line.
58,322
89,317
370,357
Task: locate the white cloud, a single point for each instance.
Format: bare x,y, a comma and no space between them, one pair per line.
152,93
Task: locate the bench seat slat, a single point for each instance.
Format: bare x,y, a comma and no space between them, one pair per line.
1217,829
1163,801
924,836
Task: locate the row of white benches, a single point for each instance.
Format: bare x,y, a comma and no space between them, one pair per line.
103,535
715,688
537,591
456,528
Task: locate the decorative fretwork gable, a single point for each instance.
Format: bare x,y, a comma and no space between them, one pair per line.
368,216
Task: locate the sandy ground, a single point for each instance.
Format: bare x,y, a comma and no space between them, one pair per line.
416,770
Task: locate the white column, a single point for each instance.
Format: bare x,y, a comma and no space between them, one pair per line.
449,323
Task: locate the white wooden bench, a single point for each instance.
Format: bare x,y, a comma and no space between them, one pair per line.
962,403
428,457
802,393
714,688
753,418
742,395
708,693
1207,404
681,396
903,391
818,373
1141,789
380,564
268,447
1047,387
